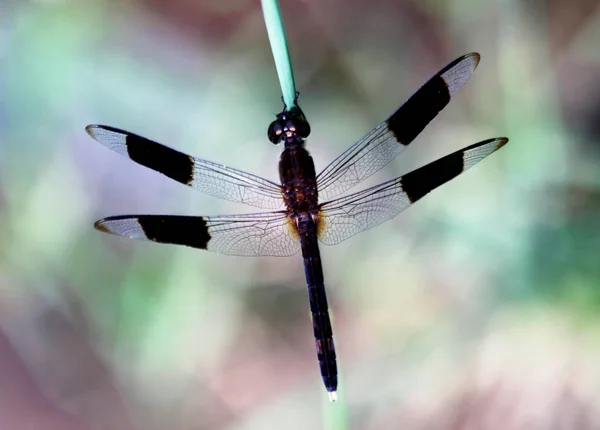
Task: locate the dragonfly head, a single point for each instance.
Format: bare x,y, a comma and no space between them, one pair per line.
290,125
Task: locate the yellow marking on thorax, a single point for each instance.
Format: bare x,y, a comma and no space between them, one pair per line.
321,224
293,228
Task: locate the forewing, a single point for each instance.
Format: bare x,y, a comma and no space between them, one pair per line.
259,234
382,144
344,217
210,178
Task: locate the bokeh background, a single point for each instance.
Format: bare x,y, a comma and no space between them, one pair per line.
479,308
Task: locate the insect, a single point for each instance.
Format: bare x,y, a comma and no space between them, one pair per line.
305,208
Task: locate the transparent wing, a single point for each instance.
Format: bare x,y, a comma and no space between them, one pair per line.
344,217
205,176
259,234
382,144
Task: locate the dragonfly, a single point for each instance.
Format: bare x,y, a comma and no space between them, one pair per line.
305,208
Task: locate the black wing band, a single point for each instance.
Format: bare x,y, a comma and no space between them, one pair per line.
344,217
382,144
258,234
210,178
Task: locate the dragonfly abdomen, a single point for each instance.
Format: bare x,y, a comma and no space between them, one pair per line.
319,309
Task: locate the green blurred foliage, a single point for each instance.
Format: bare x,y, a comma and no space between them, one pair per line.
485,294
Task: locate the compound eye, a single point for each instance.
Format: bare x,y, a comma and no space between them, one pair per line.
275,132
302,127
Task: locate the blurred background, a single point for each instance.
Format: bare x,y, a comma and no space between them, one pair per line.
477,308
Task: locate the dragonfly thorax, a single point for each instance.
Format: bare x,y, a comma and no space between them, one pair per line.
290,127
